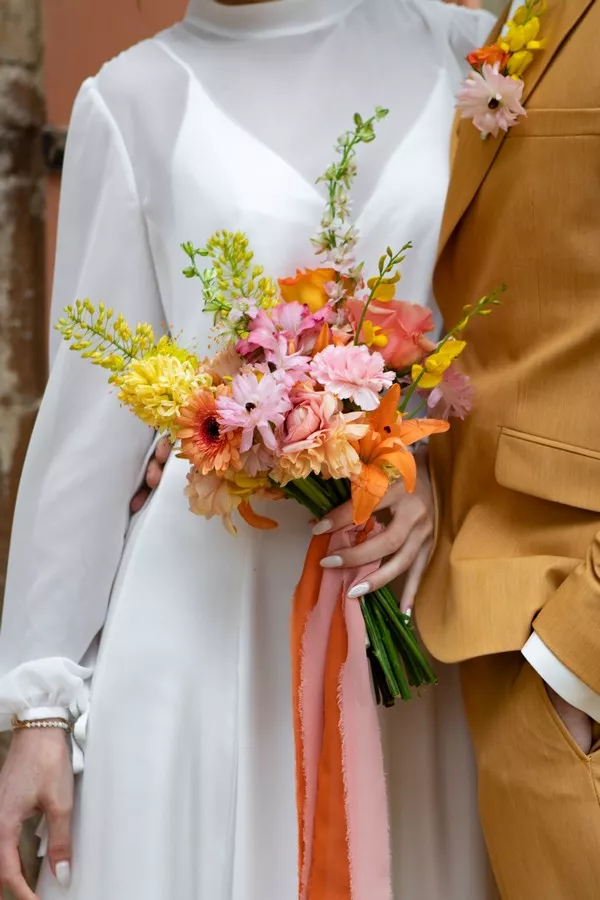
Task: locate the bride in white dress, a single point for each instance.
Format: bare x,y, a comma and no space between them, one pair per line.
180,687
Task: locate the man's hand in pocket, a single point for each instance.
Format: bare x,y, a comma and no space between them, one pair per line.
577,723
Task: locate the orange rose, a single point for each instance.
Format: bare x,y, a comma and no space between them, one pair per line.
307,288
490,55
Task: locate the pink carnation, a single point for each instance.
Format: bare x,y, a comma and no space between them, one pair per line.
491,99
352,373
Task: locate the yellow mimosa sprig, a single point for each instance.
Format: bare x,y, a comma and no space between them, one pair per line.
154,378
233,284
103,339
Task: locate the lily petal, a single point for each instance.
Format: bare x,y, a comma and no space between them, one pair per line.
368,490
253,519
387,412
412,430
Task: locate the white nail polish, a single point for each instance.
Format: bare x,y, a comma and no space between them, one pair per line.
359,590
408,612
63,874
332,562
322,527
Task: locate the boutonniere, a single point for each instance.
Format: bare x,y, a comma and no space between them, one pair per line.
491,94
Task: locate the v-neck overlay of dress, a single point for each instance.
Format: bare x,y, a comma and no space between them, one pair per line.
166,637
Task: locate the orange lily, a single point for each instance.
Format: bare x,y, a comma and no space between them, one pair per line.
386,444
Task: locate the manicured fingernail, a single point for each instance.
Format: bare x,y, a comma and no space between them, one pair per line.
359,590
332,562
323,527
63,874
408,612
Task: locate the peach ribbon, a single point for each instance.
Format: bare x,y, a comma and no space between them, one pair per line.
343,829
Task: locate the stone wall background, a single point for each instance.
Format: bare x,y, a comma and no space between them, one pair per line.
22,338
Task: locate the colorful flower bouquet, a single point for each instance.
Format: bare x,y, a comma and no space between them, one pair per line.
314,394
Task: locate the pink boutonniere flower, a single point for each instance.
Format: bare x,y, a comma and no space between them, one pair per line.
491,100
492,93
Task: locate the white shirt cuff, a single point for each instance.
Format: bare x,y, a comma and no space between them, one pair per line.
560,678
44,712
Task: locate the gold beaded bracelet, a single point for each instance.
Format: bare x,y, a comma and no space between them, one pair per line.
18,725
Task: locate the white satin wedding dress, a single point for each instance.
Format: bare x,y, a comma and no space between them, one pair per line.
224,120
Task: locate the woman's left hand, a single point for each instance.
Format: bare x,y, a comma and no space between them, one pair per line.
404,544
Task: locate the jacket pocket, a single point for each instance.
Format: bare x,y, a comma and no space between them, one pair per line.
557,123
548,469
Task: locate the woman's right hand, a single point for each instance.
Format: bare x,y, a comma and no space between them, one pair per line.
154,473
36,777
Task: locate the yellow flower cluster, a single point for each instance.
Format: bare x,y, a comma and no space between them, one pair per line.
154,378
521,38
156,387
106,341
232,260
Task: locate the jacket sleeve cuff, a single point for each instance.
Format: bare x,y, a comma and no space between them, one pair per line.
560,678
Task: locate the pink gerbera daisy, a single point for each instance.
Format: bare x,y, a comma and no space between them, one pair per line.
491,99
255,405
352,373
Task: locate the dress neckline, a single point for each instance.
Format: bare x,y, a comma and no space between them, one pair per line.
272,18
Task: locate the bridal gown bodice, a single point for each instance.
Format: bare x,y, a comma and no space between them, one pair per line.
223,121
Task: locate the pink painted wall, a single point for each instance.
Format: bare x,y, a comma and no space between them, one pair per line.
79,35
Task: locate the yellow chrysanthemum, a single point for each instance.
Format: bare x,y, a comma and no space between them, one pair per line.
156,387
167,347
435,365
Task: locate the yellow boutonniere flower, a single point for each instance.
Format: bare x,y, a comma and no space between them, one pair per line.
519,62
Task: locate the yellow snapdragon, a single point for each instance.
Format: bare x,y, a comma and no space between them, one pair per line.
431,373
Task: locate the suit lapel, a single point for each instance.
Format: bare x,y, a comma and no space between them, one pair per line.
475,156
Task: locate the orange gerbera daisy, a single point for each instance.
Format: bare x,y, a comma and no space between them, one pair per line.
385,448
203,441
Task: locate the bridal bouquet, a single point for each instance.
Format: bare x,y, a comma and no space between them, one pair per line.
319,385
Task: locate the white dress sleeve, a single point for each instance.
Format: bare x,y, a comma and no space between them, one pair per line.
86,452
464,29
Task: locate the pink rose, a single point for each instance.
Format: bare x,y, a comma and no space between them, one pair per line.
309,420
402,325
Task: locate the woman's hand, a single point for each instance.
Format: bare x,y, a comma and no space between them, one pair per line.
404,544
154,473
37,776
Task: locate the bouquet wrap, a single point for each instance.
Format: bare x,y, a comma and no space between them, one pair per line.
341,793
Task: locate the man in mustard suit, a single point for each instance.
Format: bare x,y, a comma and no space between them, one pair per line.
513,588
